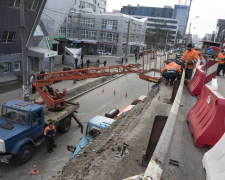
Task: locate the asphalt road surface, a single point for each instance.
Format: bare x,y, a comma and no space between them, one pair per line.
91,104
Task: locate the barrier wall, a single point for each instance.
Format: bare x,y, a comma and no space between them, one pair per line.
206,118
214,161
195,85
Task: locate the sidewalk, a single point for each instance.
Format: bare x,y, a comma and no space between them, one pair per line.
183,149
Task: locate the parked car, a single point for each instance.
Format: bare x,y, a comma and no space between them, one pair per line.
103,52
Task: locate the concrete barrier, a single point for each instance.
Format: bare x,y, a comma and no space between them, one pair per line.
160,157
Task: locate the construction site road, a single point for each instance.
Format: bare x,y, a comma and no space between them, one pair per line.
91,104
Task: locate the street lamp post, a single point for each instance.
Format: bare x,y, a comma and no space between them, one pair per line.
128,33
184,33
188,40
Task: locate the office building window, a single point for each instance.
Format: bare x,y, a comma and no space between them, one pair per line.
6,67
68,32
14,3
17,66
88,34
33,4
137,38
132,38
87,5
124,37
69,19
109,24
139,28
87,22
109,36
142,39
75,2
133,28
8,36
103,3
62,31
126,27
72,10
74,33
75,19
101,9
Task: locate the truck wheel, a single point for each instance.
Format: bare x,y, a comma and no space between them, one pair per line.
66,123
24,155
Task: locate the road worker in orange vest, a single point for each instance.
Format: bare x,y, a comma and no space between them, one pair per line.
189,61
170,72
49,133
221,58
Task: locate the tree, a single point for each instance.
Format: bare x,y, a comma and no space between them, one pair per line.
158,36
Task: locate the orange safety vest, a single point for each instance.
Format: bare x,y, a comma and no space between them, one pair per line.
190,56
172,67
220,57
49,131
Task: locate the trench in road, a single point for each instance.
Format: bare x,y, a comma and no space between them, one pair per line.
91,104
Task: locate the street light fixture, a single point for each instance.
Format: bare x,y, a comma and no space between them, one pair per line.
188,40
128,33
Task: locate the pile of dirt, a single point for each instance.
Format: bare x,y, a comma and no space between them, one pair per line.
101,159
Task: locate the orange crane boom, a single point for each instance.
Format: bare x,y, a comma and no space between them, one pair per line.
55,100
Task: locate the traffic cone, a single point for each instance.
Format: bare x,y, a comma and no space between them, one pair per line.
114,92
103,90
126,95
34,170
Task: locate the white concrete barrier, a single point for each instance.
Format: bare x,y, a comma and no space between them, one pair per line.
214,161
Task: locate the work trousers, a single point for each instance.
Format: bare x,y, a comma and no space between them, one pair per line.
50,142
221,67
33,89
170,75
188,75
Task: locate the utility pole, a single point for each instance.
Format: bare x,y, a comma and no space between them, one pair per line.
185,27
128,34
24,53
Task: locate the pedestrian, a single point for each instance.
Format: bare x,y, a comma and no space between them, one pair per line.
189,61
122,60
82,64
170,72
98,62
63,58
82,56
105,62
87,63
49,134
64,69
221,58
42,72
136,58
76,60
32,78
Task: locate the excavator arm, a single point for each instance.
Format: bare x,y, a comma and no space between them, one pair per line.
55,100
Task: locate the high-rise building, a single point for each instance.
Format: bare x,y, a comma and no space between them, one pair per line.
220,30
166,12
89,6
180,13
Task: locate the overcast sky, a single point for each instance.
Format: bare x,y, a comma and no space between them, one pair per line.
208,11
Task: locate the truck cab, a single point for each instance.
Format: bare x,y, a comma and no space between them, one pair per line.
94,127
21,126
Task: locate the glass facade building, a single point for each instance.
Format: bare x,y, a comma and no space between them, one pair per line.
220,33
166,12
180,13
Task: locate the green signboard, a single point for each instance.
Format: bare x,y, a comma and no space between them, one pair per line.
60,36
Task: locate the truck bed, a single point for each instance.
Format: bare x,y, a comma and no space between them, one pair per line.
57,116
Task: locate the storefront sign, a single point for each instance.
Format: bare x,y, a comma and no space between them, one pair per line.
60,36
88,42
51,54
110,43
